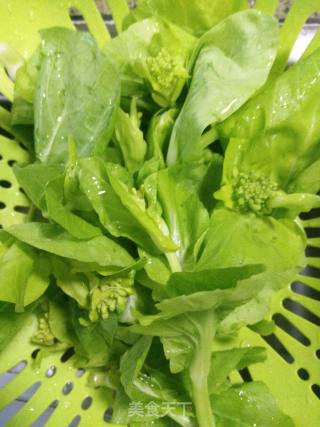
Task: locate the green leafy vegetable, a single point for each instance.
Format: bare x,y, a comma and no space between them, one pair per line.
275,134
52,238
77,84
186,324
35,178
195,17
246,405
153,52
224,362
24,276
11,323
166,174
130,138
231,62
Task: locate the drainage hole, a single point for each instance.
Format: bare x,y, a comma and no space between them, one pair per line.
303,374
86,403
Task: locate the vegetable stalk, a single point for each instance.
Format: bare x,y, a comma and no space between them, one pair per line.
199,372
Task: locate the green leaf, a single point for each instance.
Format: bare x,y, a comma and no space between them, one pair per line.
20,282
120,407
113,214
35,178
24,90
256,309
248,404
159,130
130,138
187,283
264,327
59,213
52,238
152,52
59,319
156,268
75,285
11,323
186,217
91,347
231,62
186,347
152,223
132,362
236,239
77,84
224,362
195,16
39,279
276,133
108,329
152,386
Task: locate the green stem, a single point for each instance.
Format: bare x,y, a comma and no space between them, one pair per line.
32,211
209,137
199,373
5,119
303,202
201,400
173,261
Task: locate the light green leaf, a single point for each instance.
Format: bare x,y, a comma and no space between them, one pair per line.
135,203
16,266
276,133
60,214
113,214
132,362
186,217
248,404
52,238
77,84
194,16
34,179
236,239
224,362
130,138
231,62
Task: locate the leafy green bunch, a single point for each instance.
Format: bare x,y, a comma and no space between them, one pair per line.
166,177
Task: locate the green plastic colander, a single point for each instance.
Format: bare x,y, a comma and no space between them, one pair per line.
56,393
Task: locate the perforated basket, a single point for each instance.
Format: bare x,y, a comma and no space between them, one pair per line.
56,393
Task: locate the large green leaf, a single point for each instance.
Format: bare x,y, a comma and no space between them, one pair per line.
52,238
236,239
248,404
77,84
277,131
231,62
194,16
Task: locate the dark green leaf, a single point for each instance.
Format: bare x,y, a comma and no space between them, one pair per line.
208,280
